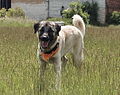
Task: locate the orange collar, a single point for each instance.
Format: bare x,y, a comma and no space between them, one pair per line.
47,56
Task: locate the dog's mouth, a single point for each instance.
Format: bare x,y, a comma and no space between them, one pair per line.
45,44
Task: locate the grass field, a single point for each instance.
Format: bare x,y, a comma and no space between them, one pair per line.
98,75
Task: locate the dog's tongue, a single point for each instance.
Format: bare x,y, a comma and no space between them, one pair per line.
44,44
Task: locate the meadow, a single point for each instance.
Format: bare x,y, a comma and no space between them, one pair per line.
99,74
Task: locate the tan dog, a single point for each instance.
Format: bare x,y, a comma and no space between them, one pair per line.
55,41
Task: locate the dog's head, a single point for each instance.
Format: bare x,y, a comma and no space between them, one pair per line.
47,33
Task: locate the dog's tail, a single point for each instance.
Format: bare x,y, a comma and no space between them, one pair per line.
79,23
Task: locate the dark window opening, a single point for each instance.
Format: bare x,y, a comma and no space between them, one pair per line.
5,4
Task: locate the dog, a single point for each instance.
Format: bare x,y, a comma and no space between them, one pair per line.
54,41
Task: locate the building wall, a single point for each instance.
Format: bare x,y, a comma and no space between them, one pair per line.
28,1
33,10
101,11
113,5
55,6
36,9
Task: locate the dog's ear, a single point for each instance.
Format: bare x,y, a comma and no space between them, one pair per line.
58,28
36,27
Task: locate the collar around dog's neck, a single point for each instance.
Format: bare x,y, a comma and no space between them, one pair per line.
53,49
46,55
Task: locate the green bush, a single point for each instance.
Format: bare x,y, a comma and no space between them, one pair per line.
16,12
76,8
113,18
2,12
92,10
12,12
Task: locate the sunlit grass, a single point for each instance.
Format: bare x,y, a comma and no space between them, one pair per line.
99,75
15,22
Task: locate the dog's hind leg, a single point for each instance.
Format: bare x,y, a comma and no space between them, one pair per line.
64,61
78,55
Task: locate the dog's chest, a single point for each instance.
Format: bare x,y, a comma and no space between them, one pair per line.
52,60
48,59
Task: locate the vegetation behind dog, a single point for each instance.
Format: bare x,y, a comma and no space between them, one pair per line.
12,12
98,75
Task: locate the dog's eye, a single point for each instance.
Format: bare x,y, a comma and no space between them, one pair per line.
42,29
52,30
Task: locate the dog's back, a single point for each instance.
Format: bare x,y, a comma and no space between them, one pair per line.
77,28
71,37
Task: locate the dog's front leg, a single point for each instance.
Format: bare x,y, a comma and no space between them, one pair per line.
42,70
42,76
57,65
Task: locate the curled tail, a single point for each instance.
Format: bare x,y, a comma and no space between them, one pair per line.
79,23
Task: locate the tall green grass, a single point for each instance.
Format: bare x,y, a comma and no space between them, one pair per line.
98,75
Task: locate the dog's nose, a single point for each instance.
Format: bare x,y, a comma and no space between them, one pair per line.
44,38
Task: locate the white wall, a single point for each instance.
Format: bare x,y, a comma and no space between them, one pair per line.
102,10
33,11
39,11
55,6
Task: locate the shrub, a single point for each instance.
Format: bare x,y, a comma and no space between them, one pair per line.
76,8
92,10
2,12
12,12
113,18
15,12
